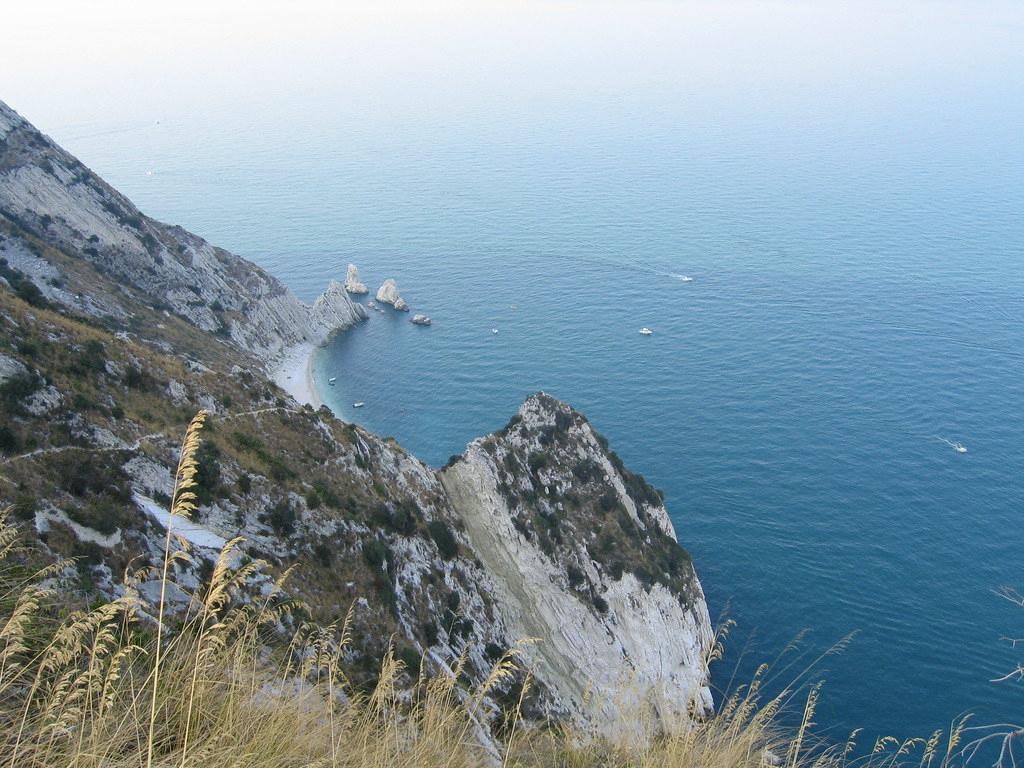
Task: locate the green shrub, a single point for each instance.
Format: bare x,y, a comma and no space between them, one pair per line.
207,472
493,652
323,554
279,471
587,470
538,460
327,494
281,518
453,601
401,516
89,474
102,514
91,359
374,553
24,507
430,632
609,501
575,576
27,348
442,535
563,421
9,441
136,378
17,388
411,658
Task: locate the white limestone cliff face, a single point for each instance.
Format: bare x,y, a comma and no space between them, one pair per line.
388,294
53,196
611,650
352,283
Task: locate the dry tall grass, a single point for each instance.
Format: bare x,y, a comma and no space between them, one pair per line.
224,683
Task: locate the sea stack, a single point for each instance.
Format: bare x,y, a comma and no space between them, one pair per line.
388,294
352,284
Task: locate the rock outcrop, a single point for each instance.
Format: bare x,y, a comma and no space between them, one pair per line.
421,320
584,557
388,294
352,284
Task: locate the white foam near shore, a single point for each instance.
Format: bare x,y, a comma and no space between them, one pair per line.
294,374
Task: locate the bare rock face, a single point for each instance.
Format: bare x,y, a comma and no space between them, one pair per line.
352,283
333,309
584,557
10,368
388,294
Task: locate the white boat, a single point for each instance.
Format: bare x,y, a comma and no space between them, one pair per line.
494,330
358,405
332,380
645,331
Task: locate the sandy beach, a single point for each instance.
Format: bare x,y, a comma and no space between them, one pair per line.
294,374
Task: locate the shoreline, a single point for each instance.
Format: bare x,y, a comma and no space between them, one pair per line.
293,373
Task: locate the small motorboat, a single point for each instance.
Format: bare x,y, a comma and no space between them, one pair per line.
494,330
645,331
358,405
959,447
332,380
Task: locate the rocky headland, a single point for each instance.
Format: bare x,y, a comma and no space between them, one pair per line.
117,328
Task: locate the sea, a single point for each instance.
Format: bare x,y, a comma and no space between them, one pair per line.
828,248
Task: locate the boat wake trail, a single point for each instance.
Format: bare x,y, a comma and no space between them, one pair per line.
958,447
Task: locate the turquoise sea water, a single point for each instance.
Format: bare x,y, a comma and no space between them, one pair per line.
857,258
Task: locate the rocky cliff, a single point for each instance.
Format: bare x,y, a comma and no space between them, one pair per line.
117,328
584,558
50,194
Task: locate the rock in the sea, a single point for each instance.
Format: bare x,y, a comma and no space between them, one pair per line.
352,284
421,320
388,294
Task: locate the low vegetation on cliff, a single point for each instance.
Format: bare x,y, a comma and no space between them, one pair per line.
238,674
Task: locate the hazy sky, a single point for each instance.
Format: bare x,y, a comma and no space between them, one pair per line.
65,63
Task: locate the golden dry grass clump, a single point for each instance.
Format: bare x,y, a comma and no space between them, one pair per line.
225,683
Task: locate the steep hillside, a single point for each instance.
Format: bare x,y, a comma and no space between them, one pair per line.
50,194
117,329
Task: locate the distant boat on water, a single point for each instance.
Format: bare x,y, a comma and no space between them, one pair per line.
645,331
332,380
358,405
